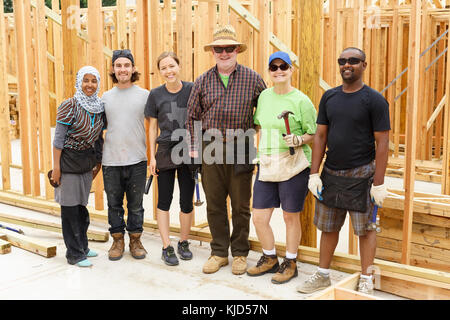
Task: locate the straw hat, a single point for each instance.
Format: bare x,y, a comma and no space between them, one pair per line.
225,36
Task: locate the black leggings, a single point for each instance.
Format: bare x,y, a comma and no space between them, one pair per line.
75,223
166,183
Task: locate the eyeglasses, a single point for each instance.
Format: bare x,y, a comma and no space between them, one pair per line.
351,61
229,49
283,67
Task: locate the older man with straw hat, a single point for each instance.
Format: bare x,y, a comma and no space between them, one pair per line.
223,100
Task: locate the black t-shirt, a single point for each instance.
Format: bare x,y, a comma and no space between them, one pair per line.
169,108
352,118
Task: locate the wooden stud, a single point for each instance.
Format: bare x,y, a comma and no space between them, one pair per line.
95,27
42,81
5,144
445,188
309,35
411,129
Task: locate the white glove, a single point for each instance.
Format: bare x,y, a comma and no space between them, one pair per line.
292,140
315,185
378,194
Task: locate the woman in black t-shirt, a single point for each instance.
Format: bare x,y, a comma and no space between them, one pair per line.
166,109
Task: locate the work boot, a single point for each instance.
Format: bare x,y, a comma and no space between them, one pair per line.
117,248
365,286
266,264
287,271
316,282
214,263
239,265
136,248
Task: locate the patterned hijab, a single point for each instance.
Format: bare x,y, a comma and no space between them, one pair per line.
92,104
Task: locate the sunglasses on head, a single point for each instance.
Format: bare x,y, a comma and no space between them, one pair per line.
229,49
283,67
351,61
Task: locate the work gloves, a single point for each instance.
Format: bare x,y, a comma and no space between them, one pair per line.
293,140
378,194
315,185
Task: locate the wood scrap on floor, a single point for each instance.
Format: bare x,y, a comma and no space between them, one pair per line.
33,245
5,247
94,235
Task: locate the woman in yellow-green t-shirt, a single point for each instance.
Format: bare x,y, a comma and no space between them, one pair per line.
289,190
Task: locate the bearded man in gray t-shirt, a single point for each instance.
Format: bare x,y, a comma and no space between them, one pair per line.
124,155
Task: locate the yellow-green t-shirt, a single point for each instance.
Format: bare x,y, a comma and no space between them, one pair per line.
303,120
224,79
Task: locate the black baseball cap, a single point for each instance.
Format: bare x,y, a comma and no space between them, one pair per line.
125,53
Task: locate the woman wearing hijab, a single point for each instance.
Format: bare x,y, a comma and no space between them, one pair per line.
77,148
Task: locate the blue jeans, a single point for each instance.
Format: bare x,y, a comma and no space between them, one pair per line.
129,181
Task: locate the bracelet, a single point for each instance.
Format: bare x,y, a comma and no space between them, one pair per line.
302,139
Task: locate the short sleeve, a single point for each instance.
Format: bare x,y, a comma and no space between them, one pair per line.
322,117
150,106
66,113
380,113
307,116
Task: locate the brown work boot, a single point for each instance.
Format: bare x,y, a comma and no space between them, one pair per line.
214,263
117,248
239,265
136,248
287,271
266,264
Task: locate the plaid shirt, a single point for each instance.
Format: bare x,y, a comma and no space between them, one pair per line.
223,108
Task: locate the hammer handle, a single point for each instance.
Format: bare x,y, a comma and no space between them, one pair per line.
288,131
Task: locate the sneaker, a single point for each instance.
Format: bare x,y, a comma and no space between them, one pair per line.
266,264
91,254
239,265
316,282
183,250
214,263
365,286
169,257
287,271
84,263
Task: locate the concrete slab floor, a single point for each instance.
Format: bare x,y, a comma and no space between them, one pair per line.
25,275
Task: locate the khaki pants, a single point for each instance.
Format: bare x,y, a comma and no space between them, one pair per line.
219,181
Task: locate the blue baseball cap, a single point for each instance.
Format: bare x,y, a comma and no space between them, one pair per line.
280,55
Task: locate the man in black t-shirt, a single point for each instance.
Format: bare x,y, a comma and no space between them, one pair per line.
352,118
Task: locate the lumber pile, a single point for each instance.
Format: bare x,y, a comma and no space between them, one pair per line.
430,239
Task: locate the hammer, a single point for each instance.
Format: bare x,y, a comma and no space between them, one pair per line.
198,202
285,115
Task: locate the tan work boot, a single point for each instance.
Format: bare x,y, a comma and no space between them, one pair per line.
136,248
239,265
117,248
287,271
266,264
214,263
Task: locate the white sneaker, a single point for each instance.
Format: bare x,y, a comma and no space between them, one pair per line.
316,282
365,286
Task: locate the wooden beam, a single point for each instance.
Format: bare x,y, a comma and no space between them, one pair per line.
411,126
33,245
5,142
445,188
309,24
43,86
70,17
96,59
100,236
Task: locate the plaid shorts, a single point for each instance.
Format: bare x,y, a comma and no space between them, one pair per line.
332,219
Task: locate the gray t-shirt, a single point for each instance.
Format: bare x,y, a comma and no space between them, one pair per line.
125,135
169,108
